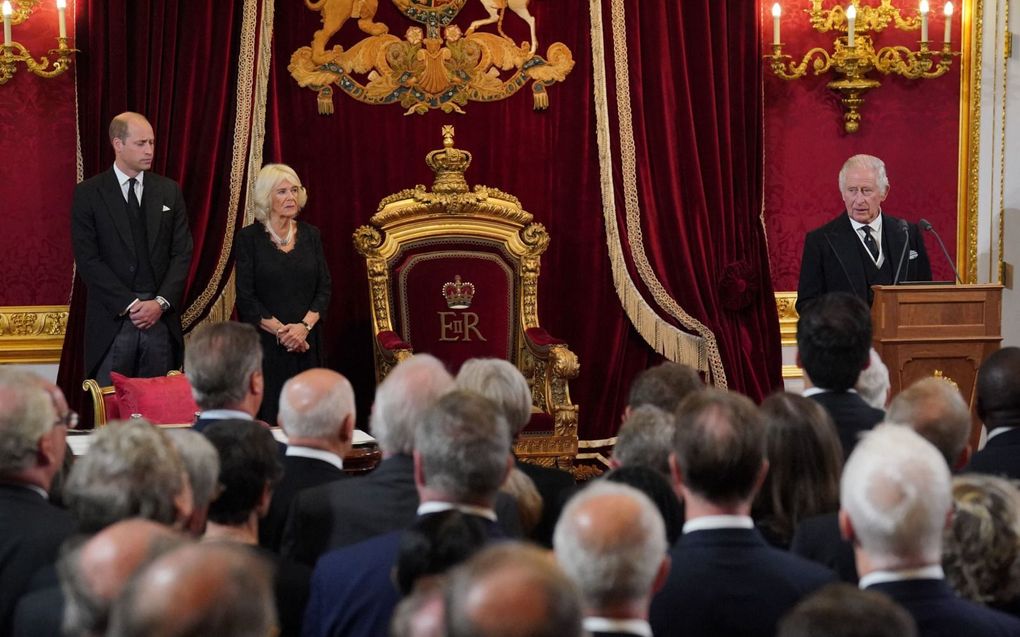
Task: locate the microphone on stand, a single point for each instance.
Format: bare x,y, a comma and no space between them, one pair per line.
927,227
903,253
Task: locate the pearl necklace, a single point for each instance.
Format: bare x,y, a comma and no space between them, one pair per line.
276,238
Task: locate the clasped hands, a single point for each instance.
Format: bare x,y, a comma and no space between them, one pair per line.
145,314
293,336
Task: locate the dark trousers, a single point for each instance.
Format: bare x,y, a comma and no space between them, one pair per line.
137,353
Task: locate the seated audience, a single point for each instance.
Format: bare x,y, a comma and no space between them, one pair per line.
33,426
833,346
316,411
644,438
873,383
611,542
93,575
249,467
223,363
842,610
998,407
659,490
981,555
663,386
895,502
203,589
511,590
725,579
202,464
461,457
805,460
530,506
434,544
502,383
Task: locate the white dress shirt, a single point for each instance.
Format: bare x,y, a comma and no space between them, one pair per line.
876,233
316,454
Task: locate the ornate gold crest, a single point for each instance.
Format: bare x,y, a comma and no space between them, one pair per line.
435,66
458,293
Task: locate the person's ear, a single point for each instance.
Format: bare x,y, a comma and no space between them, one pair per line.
257,383
347,430
419,470
265,499
662,573
846,527
677,475
963,459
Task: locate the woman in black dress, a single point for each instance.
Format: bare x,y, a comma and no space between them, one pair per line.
283,283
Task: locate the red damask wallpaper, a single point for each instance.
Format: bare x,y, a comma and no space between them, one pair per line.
913,125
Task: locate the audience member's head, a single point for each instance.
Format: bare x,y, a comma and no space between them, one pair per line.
502,383
718,449
663,386
842,610
93,574
834,340
659,490
317,410
462,449
981,555
873,384
998,389
249,467
894,497
645,438
934,408
434,544
420,614
611,542
131,470
211,588
519,486
511,590
202,464
32,432
223,362
805,460
402,399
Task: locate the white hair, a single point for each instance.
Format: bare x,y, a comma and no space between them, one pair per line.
402,399
268,179
26,414
896,490
873,383
502,383
322,419
610,562
201,461
869,162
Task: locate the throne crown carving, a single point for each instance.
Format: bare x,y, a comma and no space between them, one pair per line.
449,164
458,293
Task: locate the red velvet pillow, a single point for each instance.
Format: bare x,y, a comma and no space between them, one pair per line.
163,400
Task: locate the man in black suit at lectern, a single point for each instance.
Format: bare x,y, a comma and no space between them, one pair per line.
132,248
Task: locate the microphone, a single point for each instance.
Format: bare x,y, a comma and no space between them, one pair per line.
927,227
903,253
846,273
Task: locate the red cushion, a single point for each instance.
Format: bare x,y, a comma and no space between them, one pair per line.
388,339
112,407
163,400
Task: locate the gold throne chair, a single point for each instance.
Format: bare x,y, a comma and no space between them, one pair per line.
453,272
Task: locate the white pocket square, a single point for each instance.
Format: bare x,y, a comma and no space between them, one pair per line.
167,209
913,254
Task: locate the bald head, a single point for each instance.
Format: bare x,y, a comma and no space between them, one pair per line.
318,404
201,589
934,408
998,389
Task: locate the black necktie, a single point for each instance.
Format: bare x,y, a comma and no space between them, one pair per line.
133,205
869,242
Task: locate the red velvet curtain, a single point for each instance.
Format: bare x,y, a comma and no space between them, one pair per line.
176,63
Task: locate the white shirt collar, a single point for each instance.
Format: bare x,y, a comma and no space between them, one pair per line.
876,225
224,414
814,391
713,522
995,432
316,454
122,178
638,627
880,577
434,506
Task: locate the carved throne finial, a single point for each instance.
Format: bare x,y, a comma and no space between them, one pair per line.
449,164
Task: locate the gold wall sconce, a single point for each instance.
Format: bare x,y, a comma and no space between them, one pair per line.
11,53
854,57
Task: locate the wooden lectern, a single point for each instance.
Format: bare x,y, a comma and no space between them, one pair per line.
939,330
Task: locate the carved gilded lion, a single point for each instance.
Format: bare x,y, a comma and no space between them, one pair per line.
334,13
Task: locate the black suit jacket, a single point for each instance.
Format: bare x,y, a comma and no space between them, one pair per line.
31,532
298,474
833,259
851,414
730,582
819,540
940,613
104,254
1001,456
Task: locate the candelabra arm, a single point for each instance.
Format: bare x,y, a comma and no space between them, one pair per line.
783,66
11,54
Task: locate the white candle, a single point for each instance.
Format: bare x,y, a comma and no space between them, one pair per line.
61,5
949,22
924,20
776,12
851,18
7,21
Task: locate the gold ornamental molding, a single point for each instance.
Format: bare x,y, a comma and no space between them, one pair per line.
435,65
32,334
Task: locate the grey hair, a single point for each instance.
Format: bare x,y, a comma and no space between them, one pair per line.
131,470
27,413
873,383
321,420
611,565
869,162
502,383
464,446
934,408
646,439
896,490
201,462
219,361
268,179
402,399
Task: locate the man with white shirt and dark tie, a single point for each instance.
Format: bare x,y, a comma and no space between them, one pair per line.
132,248
862,246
